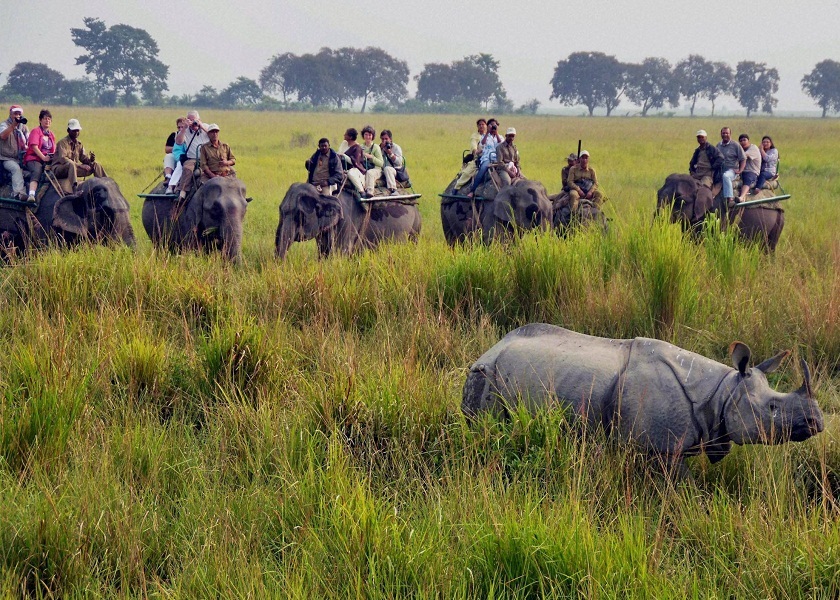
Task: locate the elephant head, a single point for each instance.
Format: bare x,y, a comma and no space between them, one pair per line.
690,201
304,215
521,206
215,214
96,211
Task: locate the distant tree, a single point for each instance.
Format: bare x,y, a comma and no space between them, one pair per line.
121,58
755,85
374,74
206,97
35,81
107,98
589,78
693,76
473,79
436,83
242,92
321,79
823,85
652,84
273,77
529,108
501,104
78,92
720,83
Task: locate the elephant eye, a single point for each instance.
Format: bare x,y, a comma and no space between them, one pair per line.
774,409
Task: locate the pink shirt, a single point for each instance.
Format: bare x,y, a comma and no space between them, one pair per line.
46,143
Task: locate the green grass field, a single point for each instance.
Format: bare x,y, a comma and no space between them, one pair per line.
175,426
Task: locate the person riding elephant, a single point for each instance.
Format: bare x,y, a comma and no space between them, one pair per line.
340,222
211,219
71,161
324,168
690,201
583,183
507,159
706,164
97,211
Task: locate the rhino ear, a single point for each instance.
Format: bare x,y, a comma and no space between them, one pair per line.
771,364
806,384
740,354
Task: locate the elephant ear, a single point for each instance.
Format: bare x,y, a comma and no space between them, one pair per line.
71,214
329,213
703,202
740,354
503,207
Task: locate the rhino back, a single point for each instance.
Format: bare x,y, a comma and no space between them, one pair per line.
670,399
539,363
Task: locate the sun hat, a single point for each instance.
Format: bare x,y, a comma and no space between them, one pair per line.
212,127
73,125
510,131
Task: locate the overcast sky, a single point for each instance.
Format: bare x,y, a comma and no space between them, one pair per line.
212,42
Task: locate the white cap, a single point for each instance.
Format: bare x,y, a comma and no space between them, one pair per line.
212,127
73,125
510,131
584,153
701,132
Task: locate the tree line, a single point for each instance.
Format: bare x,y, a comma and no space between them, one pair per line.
123,65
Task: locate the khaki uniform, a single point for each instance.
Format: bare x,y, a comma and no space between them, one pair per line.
506,153
70,155
211,158
576,175
703,170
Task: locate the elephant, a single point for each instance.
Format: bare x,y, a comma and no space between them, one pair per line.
588,213
97,211
690,202
341,222
210,219
523,205
461,217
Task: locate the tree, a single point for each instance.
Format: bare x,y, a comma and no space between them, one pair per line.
273,77
436,83
693,76
823,85
206,97
473,79
35,81
121,58
755,85
589,78
720,82
529,108
652,84
78,92
242,92
375,74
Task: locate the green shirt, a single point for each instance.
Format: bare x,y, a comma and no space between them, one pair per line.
376,152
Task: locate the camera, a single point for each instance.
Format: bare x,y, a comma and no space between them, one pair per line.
23,120
494,127
388,145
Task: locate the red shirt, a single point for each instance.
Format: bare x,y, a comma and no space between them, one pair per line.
45,142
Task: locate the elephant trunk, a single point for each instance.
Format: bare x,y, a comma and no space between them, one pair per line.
232,236
283,238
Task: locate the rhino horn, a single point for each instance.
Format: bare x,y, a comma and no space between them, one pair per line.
740,354
806,384
771,364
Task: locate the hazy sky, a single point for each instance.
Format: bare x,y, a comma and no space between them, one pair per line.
214,41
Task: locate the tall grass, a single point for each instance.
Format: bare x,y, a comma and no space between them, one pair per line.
176,426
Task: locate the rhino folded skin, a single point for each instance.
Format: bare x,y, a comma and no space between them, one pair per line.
670,401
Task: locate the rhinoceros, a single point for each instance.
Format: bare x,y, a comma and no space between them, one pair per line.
669,401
